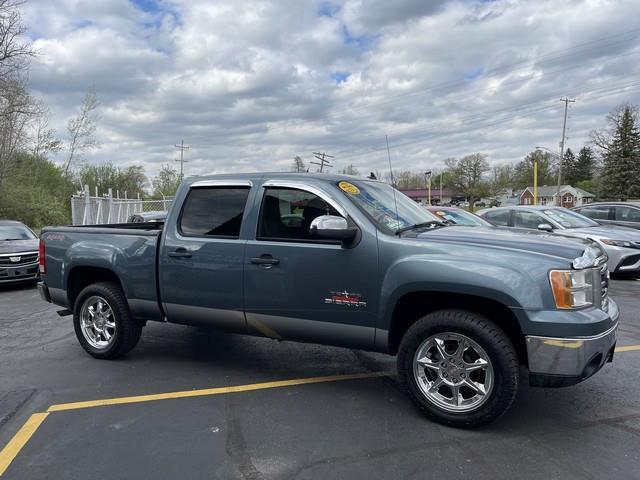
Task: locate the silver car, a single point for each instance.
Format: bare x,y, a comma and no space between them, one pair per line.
621,244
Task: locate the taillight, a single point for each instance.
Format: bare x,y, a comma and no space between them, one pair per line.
42,265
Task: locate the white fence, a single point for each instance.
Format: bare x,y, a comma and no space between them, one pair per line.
93,210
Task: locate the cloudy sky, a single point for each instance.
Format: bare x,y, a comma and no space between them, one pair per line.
250,84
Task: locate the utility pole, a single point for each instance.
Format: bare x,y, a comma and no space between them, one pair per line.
322,162
566,101
427,175
182,161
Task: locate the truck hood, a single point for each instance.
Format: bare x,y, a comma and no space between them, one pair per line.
543,243
17,246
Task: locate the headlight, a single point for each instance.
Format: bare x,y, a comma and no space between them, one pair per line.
572,288
616,243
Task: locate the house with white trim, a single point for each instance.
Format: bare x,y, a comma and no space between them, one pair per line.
547,195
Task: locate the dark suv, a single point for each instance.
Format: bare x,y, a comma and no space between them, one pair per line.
18,253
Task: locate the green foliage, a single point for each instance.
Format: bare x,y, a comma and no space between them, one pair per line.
619,146
131,180
523,172
591,185
36,193
167,182
468,176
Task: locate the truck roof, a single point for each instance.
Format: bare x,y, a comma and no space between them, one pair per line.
324,177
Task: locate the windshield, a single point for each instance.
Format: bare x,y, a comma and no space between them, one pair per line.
569,219
15,232
460,217
377,201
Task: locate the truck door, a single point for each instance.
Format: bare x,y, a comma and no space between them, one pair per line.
201,258
300,287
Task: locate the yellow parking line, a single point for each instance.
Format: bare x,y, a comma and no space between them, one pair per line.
628,348
20,439
209,391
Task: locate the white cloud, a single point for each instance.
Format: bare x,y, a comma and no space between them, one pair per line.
250,84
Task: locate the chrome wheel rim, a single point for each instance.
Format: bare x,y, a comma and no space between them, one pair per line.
97,322
453,372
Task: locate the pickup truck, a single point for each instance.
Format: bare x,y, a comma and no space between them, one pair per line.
345,261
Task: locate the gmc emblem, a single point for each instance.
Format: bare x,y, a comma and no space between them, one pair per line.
15,259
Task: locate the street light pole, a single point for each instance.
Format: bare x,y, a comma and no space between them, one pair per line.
428,177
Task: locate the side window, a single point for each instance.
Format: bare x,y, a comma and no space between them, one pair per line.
498,217
524,219
287,213
628,214
596,212
214,211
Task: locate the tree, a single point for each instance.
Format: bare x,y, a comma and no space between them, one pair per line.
81,129
570,168
298,165
468,176
523,171
14,51
17,109
585,165
350,170
105,176
166,183
44,139
619,146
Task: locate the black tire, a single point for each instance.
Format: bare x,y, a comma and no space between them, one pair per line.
488,336
127,332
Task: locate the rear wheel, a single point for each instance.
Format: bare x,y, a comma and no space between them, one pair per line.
102,321
460,368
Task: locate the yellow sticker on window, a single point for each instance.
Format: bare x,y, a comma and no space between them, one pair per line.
349,188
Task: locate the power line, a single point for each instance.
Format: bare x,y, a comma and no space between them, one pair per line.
182,147
322,162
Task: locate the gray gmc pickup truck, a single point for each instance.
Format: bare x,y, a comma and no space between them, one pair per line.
344,261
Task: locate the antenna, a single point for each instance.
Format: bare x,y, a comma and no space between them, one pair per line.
393,182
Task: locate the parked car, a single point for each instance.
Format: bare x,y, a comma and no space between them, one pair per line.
366,268
18,253
152,216
621,244
625,214
458,216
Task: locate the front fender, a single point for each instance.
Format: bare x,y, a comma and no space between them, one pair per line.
510,286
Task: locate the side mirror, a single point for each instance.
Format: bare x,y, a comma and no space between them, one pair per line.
332,227
545,227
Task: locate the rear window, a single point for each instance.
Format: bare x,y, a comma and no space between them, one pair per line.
214,211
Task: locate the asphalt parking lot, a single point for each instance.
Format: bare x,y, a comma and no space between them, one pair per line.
361,426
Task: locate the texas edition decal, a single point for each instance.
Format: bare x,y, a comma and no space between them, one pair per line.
345,298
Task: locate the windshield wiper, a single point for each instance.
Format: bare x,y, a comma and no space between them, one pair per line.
415,226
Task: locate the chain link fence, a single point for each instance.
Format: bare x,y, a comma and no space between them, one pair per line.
93,210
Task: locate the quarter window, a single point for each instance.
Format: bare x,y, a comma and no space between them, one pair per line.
287,213
214,211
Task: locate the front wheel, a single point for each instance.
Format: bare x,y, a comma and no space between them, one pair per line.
102,321
459,368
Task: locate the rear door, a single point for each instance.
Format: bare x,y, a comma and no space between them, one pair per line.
201,257
300,287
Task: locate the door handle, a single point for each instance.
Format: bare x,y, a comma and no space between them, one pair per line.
265,259
180,253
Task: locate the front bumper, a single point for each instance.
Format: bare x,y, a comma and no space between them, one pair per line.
560,362
19,273
622,259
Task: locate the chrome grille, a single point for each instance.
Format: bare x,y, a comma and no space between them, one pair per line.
604,287
18,259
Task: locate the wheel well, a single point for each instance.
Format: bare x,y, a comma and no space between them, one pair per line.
415,305
81,277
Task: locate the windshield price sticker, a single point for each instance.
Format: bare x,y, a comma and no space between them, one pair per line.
349,188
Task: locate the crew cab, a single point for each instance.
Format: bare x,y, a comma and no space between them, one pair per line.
344,261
